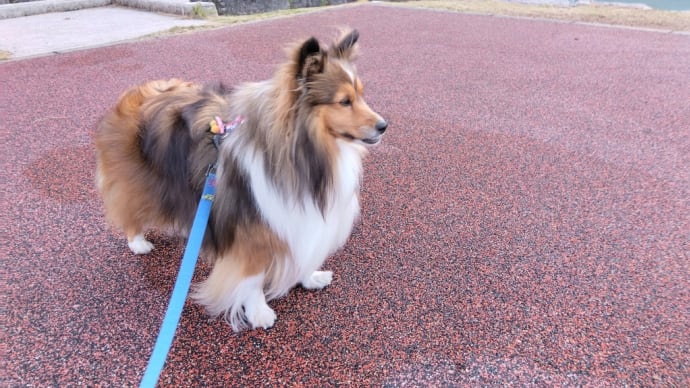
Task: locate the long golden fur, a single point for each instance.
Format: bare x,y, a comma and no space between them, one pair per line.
287,182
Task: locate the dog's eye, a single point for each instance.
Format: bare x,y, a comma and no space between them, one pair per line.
346,101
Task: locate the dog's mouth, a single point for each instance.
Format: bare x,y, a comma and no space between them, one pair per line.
367,141
372,140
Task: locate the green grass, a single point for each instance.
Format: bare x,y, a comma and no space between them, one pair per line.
604,14
221,21
198,12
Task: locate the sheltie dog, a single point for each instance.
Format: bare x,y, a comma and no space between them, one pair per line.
288,174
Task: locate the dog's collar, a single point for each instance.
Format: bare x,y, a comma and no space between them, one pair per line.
221,129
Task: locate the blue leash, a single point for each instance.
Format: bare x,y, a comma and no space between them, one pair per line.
184,279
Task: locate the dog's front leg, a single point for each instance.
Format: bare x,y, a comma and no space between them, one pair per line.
317,280
256,310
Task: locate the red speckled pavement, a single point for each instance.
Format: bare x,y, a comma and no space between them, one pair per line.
526,219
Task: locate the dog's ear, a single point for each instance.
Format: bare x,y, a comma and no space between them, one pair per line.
311,59
346,45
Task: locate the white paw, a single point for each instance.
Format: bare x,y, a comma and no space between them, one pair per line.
139,245
260,316
318,280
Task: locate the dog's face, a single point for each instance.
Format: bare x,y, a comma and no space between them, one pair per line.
334,92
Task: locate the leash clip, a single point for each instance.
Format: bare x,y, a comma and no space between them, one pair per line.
217,139
211,169
221,130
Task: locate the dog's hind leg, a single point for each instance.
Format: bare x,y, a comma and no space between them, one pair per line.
138,244
123,217
130,219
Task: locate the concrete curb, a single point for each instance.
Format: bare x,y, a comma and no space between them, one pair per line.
199,9
45,6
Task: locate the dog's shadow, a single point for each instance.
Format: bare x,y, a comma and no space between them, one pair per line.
65,175
64,179
161,266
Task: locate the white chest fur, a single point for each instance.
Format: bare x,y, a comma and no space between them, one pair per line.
310,235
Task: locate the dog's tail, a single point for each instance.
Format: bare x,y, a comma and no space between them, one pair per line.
117,133
120,166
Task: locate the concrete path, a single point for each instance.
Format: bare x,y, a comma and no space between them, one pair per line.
58,32
525,221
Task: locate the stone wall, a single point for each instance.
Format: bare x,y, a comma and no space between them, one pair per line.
246,7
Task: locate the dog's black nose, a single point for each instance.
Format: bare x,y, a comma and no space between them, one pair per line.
381,126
